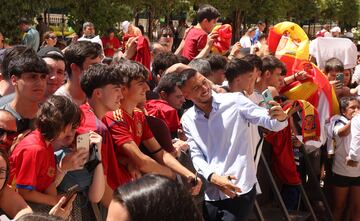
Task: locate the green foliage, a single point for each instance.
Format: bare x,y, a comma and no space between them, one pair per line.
103,13
12,11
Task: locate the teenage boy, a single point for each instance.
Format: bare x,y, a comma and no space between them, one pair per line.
102,86
199,39
79,56
171,100
28,74
217,127
55,60
129,129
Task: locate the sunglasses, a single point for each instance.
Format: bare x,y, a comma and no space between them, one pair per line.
167,35
53,37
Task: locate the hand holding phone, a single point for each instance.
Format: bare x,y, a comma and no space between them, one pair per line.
267,96
340,79
83,141
70,193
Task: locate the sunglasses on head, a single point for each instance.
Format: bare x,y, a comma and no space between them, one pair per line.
53,37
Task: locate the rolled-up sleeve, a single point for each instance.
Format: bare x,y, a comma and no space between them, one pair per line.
259,115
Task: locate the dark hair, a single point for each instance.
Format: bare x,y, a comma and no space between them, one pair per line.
155,197
344,103
217,62
131,70
39,217
163,61
182,59
51,52
77,52
167,83
270,63
4,155
56,113
237,67
334,64
97,76
185,75
201,65
254,60
9,55
207,12
23,20
27,61
110,30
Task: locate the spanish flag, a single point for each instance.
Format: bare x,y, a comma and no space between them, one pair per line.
290,44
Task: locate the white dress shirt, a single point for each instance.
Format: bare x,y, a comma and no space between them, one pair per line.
221,143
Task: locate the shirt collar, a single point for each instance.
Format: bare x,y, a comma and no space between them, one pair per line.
215,106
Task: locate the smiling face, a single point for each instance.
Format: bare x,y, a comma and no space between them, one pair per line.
197,89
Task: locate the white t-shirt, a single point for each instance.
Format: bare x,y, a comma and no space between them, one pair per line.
342,149
245,41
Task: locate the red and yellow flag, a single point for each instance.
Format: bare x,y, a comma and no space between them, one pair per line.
289,42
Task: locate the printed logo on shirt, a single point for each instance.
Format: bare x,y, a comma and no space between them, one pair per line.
51,172
117,115
139,129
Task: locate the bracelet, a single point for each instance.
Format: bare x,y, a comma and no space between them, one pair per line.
285,83
209,178
283,120
295,77
60,170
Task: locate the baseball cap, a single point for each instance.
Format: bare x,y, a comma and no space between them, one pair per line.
125,26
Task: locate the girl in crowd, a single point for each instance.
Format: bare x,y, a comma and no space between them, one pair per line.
50,39
152,197
346,179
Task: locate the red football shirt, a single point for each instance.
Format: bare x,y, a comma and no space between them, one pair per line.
125,128
115,173
32,163
110,45
162,110
195,41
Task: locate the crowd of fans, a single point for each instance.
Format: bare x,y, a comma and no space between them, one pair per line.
167,130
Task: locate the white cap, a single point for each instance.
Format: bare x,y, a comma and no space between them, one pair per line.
125,26
335,29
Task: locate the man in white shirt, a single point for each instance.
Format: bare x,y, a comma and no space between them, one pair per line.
217,127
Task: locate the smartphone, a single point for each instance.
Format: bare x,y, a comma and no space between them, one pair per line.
83,141
267,96
70,193
340,78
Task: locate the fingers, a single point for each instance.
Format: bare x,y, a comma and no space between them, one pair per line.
69,205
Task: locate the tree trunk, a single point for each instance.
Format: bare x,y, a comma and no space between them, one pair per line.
150,21
236,24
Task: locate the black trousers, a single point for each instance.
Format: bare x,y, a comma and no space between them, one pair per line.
236,209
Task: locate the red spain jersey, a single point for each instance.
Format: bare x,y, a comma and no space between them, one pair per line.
162,110
115,173
32,163
125,128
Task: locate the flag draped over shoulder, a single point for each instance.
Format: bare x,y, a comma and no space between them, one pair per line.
290,44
